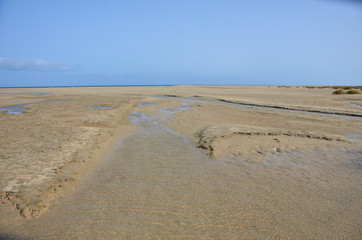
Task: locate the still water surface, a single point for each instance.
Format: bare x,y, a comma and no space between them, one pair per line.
17,109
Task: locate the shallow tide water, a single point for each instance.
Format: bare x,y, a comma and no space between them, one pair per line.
99,107
17,109
157,185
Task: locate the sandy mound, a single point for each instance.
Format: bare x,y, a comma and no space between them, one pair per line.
243,142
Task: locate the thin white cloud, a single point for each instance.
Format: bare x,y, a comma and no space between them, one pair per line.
32,64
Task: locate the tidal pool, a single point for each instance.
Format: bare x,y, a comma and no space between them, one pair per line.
353,104
355,136
145,104
17,109
99,107
38,94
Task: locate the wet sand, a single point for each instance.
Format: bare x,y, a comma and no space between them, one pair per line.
183,168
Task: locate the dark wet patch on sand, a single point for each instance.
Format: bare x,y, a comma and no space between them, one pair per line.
352,104
99,107
145,104
17,109
38,94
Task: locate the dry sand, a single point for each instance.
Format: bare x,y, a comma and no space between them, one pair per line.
51,150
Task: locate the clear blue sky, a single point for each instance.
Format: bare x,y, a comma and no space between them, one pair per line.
67,42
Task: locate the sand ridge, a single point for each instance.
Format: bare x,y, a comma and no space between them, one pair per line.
212,138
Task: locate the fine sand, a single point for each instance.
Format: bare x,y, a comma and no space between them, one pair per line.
292,170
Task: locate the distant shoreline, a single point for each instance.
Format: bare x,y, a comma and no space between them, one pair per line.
93,86
150,85
172,85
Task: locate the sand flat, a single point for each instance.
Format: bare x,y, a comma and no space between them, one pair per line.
250,159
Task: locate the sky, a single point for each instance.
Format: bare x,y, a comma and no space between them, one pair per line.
178,42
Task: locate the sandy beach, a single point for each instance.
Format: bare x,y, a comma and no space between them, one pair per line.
184,162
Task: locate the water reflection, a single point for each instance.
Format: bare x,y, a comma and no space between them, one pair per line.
145,104
353,104
99,107
38,94
17,109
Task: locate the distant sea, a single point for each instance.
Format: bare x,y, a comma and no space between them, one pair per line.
94,86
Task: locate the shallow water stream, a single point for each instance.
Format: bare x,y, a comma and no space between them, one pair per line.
157,185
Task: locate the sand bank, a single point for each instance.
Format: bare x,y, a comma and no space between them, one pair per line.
53,146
